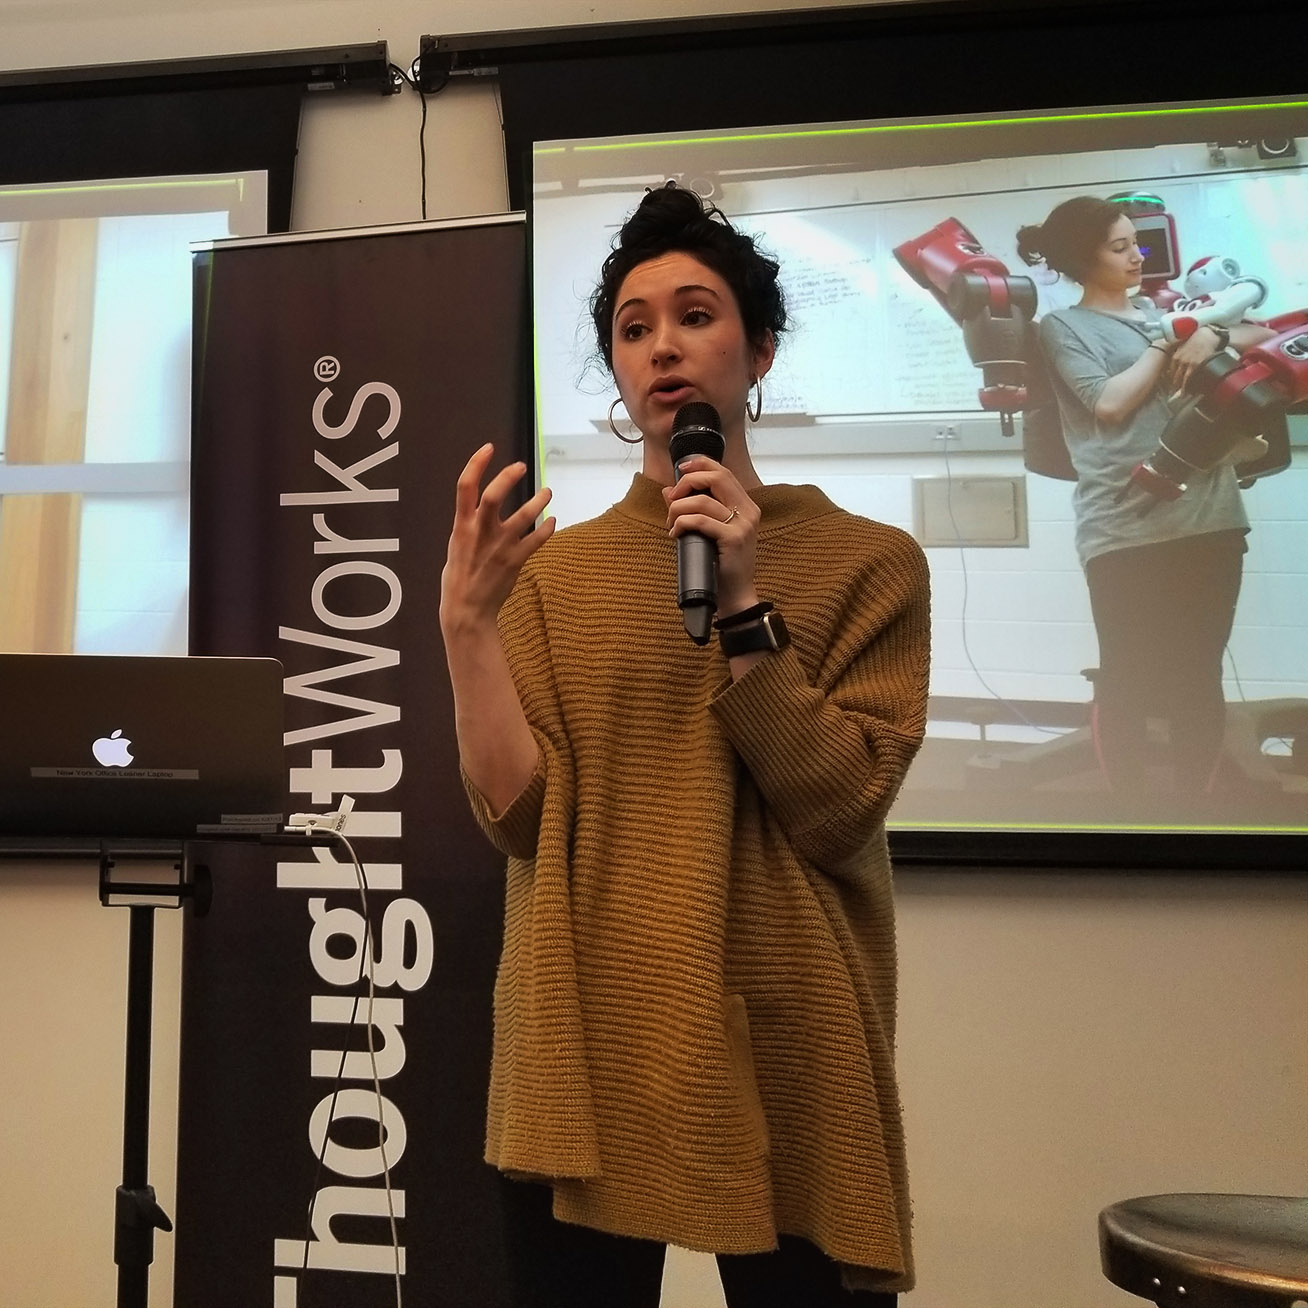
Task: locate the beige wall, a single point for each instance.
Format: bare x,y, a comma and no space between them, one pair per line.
1066,1040
63,1003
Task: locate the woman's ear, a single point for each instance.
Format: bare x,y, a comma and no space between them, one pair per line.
763,354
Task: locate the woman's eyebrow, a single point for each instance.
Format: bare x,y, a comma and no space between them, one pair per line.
681,290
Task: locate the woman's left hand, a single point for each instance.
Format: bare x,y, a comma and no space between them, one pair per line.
1189,355
708,499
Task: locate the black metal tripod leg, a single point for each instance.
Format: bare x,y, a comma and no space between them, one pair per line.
136,1218
136,1213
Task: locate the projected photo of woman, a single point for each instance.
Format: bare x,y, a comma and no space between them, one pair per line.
695,1010
1163,575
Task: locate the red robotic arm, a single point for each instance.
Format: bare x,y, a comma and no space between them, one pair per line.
1233,399
993,308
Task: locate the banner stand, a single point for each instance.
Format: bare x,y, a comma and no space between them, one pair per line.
341,381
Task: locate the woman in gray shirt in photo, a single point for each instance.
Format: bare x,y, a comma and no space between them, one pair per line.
1164,576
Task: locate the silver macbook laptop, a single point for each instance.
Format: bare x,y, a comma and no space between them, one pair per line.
138,747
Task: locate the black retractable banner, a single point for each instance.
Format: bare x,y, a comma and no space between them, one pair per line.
341,382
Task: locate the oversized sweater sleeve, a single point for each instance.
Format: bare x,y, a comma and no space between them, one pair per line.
514,832
828,750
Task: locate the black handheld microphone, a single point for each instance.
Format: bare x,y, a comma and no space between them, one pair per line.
697,429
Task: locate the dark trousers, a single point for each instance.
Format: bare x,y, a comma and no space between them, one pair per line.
554,1264
1163,614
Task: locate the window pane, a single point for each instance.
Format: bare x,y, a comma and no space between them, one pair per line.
95,367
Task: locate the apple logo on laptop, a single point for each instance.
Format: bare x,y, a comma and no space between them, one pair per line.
112,751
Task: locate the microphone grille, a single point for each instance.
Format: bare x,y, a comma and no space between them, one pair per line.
696,429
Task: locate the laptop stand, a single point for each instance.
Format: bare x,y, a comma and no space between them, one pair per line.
137,1214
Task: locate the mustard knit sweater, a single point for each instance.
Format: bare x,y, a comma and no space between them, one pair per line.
695,1008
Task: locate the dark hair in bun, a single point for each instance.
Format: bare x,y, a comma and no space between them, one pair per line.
1070,237
672,218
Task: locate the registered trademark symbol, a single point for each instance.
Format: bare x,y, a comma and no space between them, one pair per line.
327,368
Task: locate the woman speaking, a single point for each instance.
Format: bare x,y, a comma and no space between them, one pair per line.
695,1005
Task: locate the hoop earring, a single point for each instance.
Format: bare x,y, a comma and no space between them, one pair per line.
626,440
756,412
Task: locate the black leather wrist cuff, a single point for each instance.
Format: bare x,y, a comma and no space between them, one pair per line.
765,633
751,614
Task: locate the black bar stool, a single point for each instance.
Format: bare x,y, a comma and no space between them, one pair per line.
1208,1250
